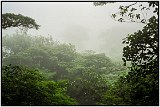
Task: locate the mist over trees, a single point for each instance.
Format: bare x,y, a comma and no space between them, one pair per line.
37,70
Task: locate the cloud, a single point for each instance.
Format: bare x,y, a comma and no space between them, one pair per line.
80,23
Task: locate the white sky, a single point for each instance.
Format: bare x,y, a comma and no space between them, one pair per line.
79,23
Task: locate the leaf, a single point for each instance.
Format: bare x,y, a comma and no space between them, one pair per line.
143,20
123,42
121,20
113,15
123,59
138,16
130,14
143,8
121,7
133,9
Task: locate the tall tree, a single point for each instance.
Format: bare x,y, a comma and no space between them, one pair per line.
13,20
22,86
142,51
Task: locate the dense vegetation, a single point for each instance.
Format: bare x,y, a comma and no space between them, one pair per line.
23,86
141,85
87,74
40,71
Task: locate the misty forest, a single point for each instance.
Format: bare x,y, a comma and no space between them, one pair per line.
45,69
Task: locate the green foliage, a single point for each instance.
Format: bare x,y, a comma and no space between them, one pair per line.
142,50
23,86
140,86
13,20
16,43
91,78
96,60
134,12
86,86
118,92
87,73
38,51
142,45
143,82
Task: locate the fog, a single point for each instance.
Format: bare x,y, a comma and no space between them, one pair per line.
82,24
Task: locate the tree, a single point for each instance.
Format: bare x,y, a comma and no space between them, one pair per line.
86,73
134,12
13,20
15,43
28,87
142,46
142,85
86,86
41,52
96,60
142,50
